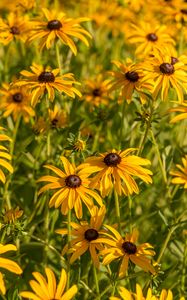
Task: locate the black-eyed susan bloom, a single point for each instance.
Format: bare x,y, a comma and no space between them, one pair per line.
4,157
57,117
44,80
128,79
48,289
182,110
7,264
180,177
116,169
125,294
85,234
73,188
166,73
15,27
148,37
16,101
57,25
125,249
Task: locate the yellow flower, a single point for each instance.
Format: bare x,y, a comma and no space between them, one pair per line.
15,27
182,109
73,188
115,169
148,37
126,249
125,294
129,79
57,117
85,236
135,5
96,91
7,264
166,73
58,26
42,80
180,176
16,101
4,156
48,289
11,215
40,126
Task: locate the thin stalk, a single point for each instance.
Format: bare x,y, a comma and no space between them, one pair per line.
94,146
96,282
117,210
69,246
159,157
184,271
122,124
6,195
58,58
130,212
168,237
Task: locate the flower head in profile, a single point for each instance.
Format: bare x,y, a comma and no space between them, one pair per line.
40,126
126,249
7,264
125,294
11,215
57,25
48,289
116,169
73,188
44,80
148,37
57,117
128,79
85,234
96,91
182,110
15,27
16,101
166,73
180,176
5,157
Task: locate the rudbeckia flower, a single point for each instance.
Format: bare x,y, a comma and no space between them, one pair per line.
57,117
16,101
125,294
148,37
125,249
180,177
166,73
15,27
7,264
57,25
85,234
182,109
4,156
73,188
42,80
48,289
129,78
115,169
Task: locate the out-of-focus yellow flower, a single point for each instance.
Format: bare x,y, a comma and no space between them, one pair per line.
57,117
4,156
125,294
39,126
7,264
180,177
11,215
182,109
44,79
57,25
16,101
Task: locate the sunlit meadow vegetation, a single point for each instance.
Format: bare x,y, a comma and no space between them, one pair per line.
93,149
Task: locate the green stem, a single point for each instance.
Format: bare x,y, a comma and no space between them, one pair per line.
58,58
6,195
130,212
117,210
168,237
159,157
96,282
69,246
94,146
122,123
184,271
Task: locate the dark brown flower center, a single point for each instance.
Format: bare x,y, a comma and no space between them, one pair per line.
17,97
54,25
152,37
46,77
14,30
96,92
167,68
112,159
129,247
54,122
184,11
73,181
174,60
91,234
132,76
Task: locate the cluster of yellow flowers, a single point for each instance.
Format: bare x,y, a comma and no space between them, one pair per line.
154,70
